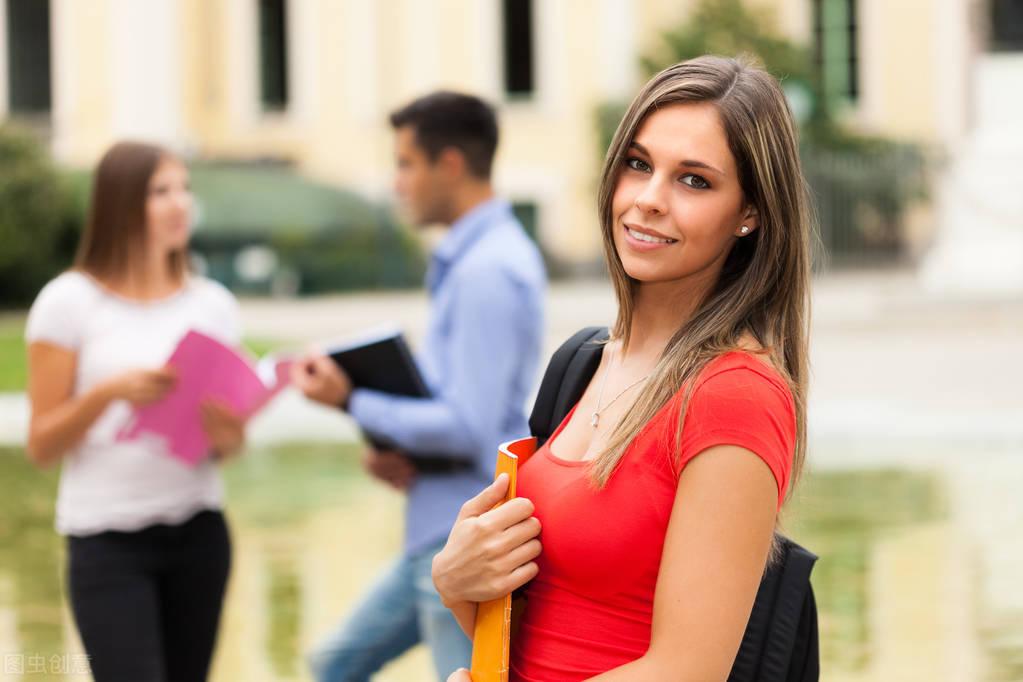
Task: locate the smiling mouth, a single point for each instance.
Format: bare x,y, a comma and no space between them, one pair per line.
650,239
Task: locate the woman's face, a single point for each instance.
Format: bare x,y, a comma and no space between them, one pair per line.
678,206
168,207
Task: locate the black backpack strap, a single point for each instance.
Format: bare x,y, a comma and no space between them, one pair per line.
754,638
806,656
781,636
788,613
565,379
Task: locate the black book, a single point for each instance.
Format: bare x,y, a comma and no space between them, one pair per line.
383,362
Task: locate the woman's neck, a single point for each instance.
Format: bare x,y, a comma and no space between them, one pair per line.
659,309
148,278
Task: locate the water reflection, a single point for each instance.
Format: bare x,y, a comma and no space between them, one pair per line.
310,532
842,517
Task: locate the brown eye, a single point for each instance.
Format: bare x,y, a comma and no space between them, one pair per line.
637,164
694,181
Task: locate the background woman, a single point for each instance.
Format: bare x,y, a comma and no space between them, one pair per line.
148,548
659,493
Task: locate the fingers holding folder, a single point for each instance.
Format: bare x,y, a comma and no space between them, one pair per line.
490,551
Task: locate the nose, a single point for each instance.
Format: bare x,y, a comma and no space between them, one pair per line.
652,199
183,200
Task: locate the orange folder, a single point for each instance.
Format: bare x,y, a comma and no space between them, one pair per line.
491,640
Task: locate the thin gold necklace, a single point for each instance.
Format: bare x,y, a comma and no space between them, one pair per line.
595,417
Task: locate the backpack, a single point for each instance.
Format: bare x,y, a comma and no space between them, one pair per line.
780,643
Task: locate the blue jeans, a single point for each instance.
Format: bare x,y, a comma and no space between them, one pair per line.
400,611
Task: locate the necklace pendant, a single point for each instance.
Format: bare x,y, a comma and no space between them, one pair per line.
594,420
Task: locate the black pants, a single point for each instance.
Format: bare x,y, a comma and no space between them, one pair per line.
147,603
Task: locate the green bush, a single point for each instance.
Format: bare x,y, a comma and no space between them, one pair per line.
38,222
375,255
327,238
729,27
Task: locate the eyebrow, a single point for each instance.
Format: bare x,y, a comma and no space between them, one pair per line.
693,163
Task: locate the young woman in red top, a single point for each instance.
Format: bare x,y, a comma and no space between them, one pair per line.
659,494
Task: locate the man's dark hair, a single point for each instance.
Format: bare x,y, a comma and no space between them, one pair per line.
450,119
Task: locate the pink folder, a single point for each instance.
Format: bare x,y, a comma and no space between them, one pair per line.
206,369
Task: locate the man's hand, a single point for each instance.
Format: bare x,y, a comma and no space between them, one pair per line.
393,468
460,675
320,379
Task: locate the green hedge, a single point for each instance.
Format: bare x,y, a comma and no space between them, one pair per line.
330,239
38,221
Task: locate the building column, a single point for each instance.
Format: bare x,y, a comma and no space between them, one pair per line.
979,196
146,63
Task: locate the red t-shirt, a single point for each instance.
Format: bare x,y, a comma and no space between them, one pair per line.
590,608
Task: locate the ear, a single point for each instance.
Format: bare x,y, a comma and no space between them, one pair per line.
452,162
750,222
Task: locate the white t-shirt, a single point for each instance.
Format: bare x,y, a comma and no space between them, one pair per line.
125,486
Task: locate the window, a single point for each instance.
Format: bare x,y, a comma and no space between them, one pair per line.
1006,25
28,56
518,48
528,214
273,55
835,50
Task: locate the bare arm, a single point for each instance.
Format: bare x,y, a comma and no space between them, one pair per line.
715,551
59,420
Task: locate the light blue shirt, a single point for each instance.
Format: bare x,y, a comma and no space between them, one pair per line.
487,283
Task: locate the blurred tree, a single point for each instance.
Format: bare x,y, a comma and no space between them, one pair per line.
726,27
862,184
729,27
37,217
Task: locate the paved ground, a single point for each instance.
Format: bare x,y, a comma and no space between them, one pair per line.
897,374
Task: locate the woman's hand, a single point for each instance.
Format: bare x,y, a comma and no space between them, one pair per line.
490,552
460,675
224,427
142,386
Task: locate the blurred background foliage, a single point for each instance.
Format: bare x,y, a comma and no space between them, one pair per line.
262,228
862,185
38,218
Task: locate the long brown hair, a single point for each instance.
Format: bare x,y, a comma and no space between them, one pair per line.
115,230
763,288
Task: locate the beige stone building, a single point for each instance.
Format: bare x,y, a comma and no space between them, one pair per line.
311,82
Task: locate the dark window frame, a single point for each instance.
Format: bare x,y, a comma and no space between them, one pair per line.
848,89
1005,32
518,49
29,58
528,212
274,82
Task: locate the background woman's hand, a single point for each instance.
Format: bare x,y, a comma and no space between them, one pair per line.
460,675
490,552
142,386
224,427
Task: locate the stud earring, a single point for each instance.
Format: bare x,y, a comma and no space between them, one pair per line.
744,230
